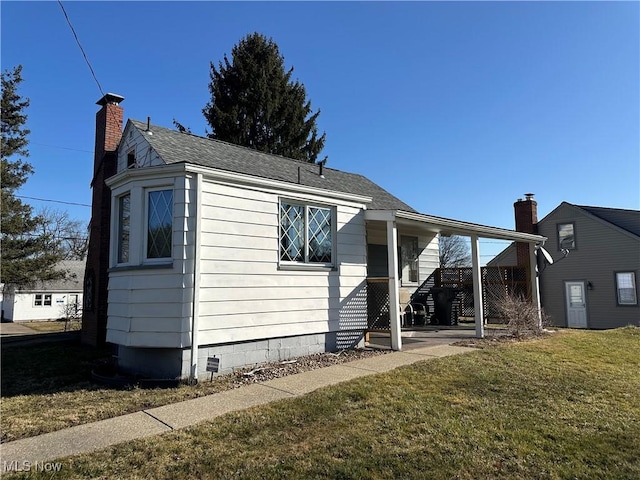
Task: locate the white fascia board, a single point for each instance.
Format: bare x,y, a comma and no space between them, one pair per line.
233,178
454,227
380,215
159,171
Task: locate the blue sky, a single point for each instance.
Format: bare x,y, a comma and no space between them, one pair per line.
457,108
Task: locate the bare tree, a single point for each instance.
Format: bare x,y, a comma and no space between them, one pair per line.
454,252
67,237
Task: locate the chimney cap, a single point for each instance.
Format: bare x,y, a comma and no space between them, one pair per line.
110,98
529,196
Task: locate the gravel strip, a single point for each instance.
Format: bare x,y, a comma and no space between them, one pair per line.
269,371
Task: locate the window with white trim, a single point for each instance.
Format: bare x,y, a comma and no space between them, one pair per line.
124,227
306,234
626,288
159,223
408,259
42,300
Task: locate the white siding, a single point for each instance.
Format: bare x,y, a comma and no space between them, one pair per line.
151,305
429,258
245,295
133,141
20,306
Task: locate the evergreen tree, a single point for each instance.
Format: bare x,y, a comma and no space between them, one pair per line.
255,103
26,257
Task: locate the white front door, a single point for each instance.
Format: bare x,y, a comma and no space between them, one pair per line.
576,305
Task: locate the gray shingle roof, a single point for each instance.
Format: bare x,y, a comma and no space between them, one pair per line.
628,220
73,282
176,147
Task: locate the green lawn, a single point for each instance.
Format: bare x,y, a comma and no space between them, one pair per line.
564,407
47,387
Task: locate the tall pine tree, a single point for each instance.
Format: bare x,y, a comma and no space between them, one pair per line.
255,103
26,257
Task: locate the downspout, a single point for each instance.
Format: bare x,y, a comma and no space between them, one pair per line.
195,313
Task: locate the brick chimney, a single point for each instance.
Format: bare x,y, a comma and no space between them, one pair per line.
526,212
108,134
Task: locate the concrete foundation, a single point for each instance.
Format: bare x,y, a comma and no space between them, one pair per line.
176,363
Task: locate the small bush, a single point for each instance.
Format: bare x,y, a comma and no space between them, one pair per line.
521,316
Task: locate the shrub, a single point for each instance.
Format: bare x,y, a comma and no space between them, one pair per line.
521,316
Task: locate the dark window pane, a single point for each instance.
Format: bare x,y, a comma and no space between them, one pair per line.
319,235
291,232
124,228
160,224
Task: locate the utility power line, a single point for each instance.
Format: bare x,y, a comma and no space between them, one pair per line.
75,35
63,148
53,201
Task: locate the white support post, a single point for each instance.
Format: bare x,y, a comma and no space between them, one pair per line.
394,301
535,282
477,286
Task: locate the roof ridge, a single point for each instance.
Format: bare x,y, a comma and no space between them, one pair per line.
224,142
631,210
174,147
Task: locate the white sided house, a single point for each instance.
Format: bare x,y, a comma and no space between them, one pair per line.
48,300
222,251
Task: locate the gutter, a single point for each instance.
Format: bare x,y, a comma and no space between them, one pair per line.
456,227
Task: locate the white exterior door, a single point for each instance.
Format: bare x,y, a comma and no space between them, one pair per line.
576,304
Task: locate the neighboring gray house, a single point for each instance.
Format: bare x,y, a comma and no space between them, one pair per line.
220,250
596,285
46,300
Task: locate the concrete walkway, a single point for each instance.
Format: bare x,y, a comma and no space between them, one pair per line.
9,329
94,436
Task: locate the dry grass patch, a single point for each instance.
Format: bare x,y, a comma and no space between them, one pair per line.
54,326
562,407
47,387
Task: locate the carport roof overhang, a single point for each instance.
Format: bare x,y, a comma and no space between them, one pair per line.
446,226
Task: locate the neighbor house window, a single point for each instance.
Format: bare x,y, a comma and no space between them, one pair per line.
305,234
159,223
566,236
124,227
42,299
409,259
626,288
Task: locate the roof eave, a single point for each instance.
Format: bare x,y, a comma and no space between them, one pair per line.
449,226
